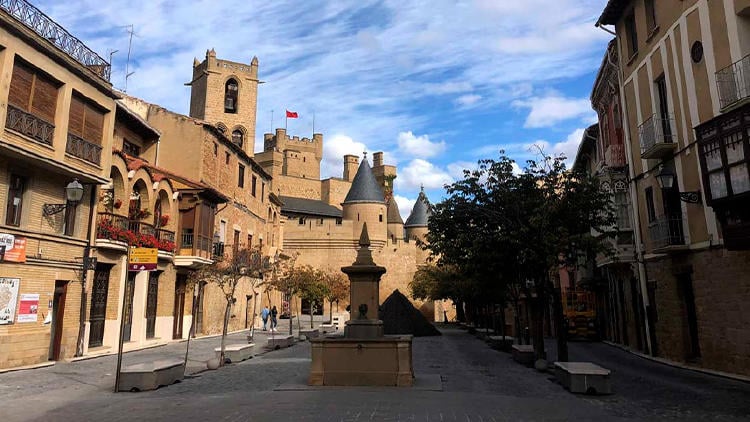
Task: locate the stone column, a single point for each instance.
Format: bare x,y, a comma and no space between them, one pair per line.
364,277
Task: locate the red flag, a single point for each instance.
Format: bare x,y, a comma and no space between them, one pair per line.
291,114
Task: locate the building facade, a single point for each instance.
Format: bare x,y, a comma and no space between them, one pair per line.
57,119
682,88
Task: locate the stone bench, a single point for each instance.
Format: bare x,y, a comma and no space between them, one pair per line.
503,343
328,328
151,375
523,353
308,334
583,377
279,341
236,352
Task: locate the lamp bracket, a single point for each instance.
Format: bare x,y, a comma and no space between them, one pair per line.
693,197
52,209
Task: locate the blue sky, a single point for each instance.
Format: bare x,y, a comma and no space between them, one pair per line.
436,84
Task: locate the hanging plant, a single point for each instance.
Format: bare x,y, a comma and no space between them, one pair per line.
163,220
117,204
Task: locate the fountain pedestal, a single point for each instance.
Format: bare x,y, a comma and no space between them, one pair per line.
364,356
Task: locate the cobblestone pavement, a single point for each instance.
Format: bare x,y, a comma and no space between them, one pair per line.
479,384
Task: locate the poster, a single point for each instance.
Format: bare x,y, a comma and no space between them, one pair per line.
12,248
28,308
8,298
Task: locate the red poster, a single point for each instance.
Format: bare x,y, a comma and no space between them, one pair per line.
14,248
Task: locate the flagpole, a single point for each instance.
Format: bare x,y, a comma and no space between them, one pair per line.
286,120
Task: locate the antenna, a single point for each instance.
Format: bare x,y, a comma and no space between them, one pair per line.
128,73
111,53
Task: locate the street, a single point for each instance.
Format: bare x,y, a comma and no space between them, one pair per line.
478,383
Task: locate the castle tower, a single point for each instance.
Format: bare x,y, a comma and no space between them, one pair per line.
395,223
225,93
384,174
291,156
416,224
365,204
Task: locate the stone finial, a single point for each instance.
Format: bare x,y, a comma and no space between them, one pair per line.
196,63
364,254
254,62
211,53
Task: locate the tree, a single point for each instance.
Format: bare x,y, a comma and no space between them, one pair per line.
312,287
226,274
337,288
507,230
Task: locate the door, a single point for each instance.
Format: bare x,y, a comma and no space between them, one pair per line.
129,290
685,284
98,313
58,312
198,307
151,301
179,305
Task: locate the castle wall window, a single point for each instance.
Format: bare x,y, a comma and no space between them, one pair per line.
254,185
238,137
241,176
230,96
302,221
226,158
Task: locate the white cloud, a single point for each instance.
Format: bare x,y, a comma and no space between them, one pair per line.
567,147
548,111
456,169
404,205
334,149
419,146
468,100
421,172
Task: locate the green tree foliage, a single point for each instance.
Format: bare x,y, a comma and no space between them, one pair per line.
337,288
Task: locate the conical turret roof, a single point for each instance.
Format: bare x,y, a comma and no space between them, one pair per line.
394,215
364,186
420,214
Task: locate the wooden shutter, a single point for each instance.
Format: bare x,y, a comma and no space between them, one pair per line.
20,86
75,122
93,124
44,101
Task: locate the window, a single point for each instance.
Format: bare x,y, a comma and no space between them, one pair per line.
241,176
230,96
16,190
650,15
33,92
339,221
236,244
86,121
650,210
622,210
262,191
130,148
725,159
380,218
216,149
254,184
632,35
237,137
302,221
661,91
249,240
226,158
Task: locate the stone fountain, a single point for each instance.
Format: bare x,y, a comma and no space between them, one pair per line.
363,356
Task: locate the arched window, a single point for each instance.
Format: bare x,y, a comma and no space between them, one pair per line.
238,137
230,96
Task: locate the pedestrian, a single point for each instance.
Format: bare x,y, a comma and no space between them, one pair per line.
264,316
274,314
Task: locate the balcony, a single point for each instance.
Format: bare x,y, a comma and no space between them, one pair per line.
50,30
656,137
218,251
734,83
117,232
29,125
83,149
194,250
614,156
666,233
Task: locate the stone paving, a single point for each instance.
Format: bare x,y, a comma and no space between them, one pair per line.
479,384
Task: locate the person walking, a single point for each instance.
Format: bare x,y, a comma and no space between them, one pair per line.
274,314
264,316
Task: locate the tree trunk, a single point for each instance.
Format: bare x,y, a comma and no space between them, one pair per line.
330,312
460,314
312,308
538,324
227,311
562,344
255,304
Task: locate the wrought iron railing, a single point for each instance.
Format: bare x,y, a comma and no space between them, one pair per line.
43,25
655,130
187,240
165,235
734,82
218,250
666,231
111,226
83,149
142,228
29,125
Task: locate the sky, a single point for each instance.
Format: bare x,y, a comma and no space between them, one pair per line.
435,84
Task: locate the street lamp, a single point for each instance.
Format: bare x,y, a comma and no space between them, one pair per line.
73,195
666,179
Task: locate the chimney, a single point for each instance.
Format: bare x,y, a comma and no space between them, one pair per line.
377,159
350,167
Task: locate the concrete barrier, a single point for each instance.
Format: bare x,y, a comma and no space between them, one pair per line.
277,342
583,377
523,353
236,352
151,375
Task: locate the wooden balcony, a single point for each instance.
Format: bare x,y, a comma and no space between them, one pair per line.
83,149
656,137
29,125
194,250
117,232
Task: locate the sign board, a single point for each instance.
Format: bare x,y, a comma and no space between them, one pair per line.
143,259
28,308
8,298
12,248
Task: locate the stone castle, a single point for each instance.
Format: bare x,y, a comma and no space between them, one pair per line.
324,217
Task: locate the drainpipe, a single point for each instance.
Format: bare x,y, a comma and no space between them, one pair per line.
642,273
156,158
84,274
